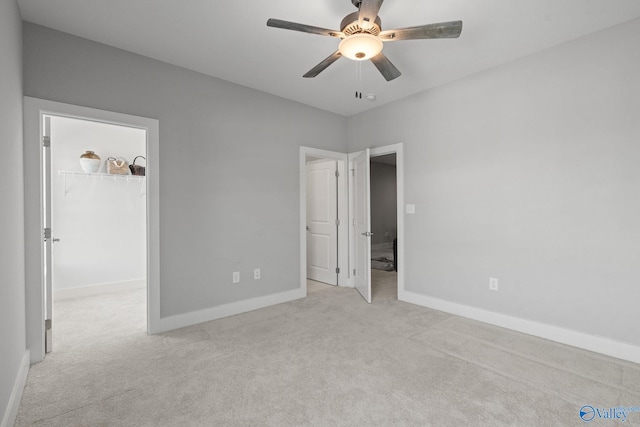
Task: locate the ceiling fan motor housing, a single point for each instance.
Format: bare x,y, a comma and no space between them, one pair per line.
349,25
360,43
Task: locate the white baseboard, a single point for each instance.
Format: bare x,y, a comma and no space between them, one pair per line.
11,411
606,346
103,288
225,310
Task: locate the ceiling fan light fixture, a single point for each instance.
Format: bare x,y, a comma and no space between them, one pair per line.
360,46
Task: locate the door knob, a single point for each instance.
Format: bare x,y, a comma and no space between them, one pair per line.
55,240
368,234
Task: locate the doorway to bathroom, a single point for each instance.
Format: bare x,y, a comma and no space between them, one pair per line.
384,227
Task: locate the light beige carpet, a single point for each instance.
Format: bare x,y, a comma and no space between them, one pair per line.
327,360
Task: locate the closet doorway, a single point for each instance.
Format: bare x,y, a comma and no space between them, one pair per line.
323,217
46,178
98,226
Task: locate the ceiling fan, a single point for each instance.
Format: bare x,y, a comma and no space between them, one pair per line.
362,37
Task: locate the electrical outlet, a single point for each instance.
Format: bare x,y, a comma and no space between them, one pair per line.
236,277
493,283
256,273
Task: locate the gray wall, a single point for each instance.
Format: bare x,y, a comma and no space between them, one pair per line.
229,176
529,172
12,299
384,214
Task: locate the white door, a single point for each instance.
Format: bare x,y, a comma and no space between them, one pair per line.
362,225
322,226
48,239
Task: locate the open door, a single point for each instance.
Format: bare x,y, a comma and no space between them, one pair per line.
362,225
48,239
322,222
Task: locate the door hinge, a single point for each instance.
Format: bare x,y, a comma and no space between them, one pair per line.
353,172
48,345
47,233
337,174
46,141
338,222
337,270
354,271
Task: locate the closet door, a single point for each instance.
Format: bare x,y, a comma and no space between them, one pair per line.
322,226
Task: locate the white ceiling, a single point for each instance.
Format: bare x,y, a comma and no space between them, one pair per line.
230,39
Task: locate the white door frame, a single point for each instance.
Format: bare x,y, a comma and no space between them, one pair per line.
396,149
34,109
343,202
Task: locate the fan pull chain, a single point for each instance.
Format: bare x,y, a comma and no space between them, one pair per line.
358,79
